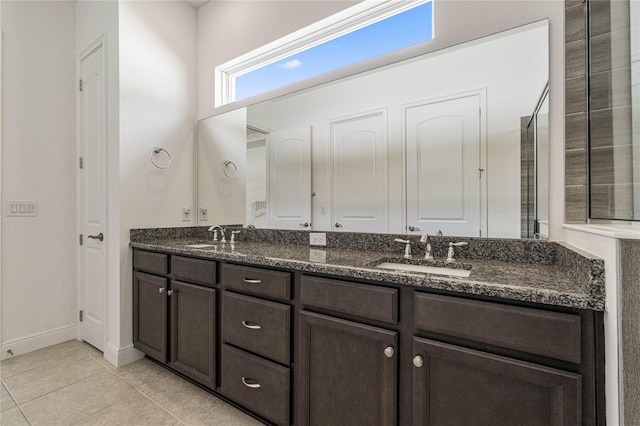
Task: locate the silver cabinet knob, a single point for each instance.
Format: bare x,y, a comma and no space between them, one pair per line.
161,290
389,352
338,225
304,225
170,293
413,228
255,385
418,361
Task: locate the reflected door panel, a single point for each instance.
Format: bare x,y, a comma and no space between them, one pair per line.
443,162
289,178
359,147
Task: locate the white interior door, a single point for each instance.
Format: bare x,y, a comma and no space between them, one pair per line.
289,201
359,151
92,117
444,167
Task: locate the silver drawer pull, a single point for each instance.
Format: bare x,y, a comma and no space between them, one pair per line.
251,325
251,281
250,385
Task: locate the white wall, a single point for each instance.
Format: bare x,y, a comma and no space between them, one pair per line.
513,68
158,43
39,163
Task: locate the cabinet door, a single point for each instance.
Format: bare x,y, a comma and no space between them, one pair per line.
348,376
459,386
193,325
150,315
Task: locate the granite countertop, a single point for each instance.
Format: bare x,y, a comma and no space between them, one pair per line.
572,280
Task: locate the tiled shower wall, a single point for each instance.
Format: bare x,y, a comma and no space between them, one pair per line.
575,87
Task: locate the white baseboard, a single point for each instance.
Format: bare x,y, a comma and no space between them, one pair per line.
38,341
121,356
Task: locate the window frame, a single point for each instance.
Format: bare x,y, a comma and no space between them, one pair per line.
351,19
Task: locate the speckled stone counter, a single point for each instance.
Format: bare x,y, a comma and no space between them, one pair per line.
532,271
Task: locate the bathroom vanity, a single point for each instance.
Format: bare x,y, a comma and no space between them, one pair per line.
304,335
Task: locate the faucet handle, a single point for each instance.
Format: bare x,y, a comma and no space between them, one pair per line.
407,247
233,236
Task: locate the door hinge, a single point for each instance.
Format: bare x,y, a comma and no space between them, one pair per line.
81,162
80,239
80,85
480,233
479,112
80,316
480,170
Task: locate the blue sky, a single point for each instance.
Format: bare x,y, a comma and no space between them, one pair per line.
403,30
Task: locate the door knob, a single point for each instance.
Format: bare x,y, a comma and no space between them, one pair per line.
413,228
161,290
98,237
170,293
304,225
338,225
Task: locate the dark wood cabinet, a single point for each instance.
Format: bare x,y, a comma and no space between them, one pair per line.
193,332
174,322
459,386
150,314
292,347
347,372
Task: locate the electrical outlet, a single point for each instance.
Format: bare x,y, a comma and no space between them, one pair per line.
316,255
318,238
204,214
186,214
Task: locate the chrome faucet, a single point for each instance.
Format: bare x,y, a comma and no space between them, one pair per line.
215,229
233,236
451,253
427,253
407,247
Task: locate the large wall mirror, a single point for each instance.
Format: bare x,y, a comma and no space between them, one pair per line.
428,144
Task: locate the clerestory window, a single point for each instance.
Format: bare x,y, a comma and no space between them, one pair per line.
360,33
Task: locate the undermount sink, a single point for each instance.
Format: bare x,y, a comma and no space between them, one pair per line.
438,270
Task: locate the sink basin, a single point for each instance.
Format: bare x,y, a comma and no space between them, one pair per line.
438,270
199,245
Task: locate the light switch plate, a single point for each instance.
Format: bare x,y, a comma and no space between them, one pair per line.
21,208
318,238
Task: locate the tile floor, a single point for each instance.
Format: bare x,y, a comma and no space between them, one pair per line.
71,384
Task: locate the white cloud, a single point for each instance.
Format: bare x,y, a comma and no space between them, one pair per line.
289,65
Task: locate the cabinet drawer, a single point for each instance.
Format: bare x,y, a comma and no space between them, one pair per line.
362,300
551,334
258,281
259,385
257,325
150,262
196,270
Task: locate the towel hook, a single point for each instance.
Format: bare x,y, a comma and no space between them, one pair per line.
155,154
